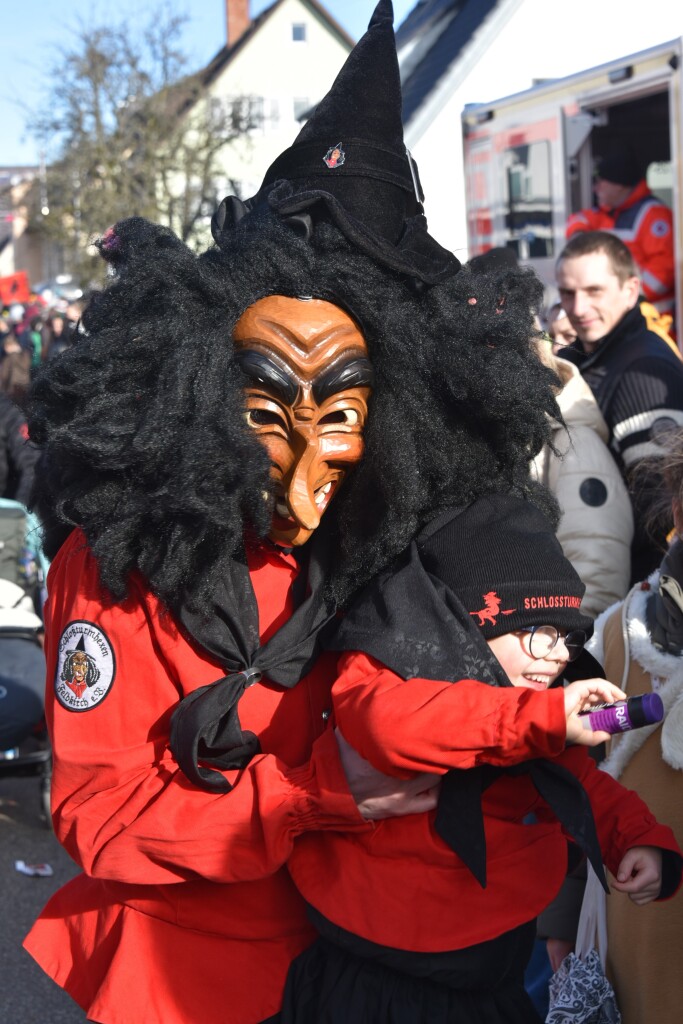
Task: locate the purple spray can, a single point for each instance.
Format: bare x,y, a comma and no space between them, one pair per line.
645,709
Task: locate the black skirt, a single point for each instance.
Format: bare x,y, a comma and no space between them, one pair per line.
342,978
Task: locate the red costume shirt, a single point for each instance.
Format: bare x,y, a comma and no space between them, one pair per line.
184,905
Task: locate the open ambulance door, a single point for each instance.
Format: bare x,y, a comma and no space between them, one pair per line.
515,182
638,101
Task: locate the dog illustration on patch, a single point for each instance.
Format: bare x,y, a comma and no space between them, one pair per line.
491,609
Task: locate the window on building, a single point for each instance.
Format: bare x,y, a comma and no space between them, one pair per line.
302,105
258,110
241,114
528,200
274,111
6,211
299,32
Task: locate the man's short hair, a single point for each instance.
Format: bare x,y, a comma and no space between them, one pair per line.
586,242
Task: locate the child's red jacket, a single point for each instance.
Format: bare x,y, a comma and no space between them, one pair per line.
401,885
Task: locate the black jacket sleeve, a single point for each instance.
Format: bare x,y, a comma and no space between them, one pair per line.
19,457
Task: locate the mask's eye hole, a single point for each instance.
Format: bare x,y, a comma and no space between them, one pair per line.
349,417
263,418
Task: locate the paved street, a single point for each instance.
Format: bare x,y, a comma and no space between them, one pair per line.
27,996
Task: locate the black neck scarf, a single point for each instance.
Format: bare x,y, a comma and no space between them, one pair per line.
416,626
205,726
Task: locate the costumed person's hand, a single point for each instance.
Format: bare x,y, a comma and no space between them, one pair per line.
640,874
380,796
557,950
581,696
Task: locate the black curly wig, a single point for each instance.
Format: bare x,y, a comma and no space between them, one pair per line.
141,423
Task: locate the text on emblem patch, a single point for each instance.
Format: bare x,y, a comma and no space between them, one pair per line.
86,666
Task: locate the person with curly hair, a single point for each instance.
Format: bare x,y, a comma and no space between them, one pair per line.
235,445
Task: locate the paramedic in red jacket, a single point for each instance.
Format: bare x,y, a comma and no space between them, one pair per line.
627,208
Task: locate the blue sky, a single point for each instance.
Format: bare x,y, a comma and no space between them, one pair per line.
33,31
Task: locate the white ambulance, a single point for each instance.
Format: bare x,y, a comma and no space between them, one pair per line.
529,157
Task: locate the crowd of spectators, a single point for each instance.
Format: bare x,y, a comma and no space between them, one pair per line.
30,334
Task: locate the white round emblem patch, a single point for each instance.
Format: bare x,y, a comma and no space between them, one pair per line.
660,228
86,666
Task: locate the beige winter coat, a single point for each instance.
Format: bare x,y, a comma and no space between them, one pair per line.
597,522
645,944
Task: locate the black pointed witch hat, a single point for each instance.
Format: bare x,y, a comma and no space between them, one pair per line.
349,164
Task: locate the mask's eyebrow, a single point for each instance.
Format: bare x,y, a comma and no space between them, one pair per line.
355,372
260,368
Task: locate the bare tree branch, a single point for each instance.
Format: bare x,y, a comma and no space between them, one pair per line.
128,132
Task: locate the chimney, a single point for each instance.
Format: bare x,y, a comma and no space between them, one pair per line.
237,19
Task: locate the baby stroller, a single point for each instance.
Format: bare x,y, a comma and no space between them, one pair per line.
24,747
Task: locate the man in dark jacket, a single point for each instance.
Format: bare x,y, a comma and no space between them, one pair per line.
636,378
17,456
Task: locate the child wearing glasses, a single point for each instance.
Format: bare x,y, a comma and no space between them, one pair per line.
454,665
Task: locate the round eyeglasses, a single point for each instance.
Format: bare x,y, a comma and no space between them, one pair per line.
539,641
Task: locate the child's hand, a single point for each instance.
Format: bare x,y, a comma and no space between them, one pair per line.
580,696
558,950
380,796
640,874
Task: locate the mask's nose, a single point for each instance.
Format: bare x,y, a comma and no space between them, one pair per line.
301,489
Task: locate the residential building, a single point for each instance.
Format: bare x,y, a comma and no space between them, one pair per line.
281,63
19,250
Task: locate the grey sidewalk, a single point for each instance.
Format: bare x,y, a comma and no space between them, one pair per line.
27,996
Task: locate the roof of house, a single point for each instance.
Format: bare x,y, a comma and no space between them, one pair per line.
228,53
431,40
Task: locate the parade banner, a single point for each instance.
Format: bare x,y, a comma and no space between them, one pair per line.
14,288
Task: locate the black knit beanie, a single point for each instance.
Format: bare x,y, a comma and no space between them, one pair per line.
620,165
501,557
